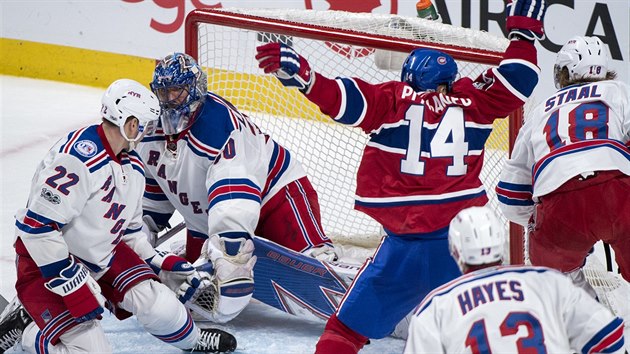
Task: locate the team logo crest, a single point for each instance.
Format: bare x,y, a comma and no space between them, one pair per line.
46,316
86,148
441,60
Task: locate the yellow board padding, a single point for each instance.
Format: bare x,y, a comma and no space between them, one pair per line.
264,94
72,65
251,92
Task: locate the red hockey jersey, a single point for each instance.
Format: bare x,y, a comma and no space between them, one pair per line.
422,163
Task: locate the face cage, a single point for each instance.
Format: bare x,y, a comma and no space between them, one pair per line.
164,93
176,120
176,116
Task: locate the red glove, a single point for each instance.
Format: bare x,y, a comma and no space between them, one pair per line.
286,64
79,291
525,19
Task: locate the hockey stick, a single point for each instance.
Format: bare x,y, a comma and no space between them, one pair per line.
3,303
169,233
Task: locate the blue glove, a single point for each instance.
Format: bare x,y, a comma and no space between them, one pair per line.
179,275
286,64
525,19
80,292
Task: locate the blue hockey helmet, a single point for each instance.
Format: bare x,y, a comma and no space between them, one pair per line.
425,69
181,86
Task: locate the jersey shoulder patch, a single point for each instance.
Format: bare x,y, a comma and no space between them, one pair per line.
85,144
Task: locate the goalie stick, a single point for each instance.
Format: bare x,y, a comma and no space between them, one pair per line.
168,234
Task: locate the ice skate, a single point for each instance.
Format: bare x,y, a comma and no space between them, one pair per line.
212,340
12,323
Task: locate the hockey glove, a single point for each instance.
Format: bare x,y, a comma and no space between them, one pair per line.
525,19
233,262
324,253
79,291
286,64
179,275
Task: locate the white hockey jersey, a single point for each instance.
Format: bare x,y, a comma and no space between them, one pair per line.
223,171
513,309
582,128
83,201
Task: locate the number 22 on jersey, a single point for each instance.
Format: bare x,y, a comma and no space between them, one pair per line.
448,141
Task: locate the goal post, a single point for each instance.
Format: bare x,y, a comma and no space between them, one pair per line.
336,43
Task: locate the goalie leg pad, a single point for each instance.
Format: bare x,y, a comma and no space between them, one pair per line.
298,284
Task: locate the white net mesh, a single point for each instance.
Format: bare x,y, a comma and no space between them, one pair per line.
611,289
331,152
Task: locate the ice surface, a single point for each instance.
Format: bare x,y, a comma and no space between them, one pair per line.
34,114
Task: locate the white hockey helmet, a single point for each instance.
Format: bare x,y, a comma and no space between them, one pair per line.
584,57
476,236
126,98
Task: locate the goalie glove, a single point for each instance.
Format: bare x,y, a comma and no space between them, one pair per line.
80,292
324,253
287,65
231,262
179,275
525,19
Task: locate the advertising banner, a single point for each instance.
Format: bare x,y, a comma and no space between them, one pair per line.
152,28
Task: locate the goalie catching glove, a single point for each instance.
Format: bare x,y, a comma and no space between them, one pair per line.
80,292
324,253
231,261
286,64
179,275
525,19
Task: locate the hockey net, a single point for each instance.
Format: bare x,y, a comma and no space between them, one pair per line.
369,46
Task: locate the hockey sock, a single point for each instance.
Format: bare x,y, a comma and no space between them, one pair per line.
339,339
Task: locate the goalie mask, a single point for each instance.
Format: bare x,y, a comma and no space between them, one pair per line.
476,236
181,85
426,69
126,98
585,58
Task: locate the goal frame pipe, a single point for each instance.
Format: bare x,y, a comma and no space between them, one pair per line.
284,27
